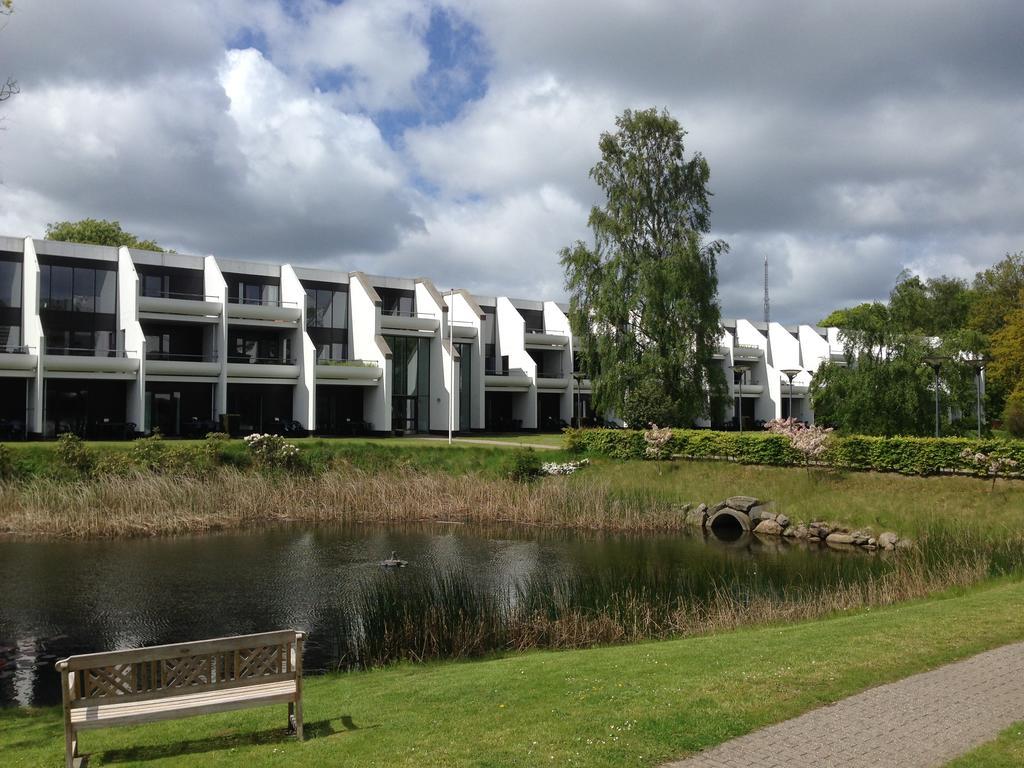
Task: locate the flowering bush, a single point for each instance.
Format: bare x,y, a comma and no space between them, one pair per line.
989,464
568,468
657,441
810,442
272,452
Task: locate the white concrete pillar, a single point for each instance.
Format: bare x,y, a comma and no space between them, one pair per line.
304,392
512,342
557,322
134,338
465,312
430,303
368,344
216,289
32,337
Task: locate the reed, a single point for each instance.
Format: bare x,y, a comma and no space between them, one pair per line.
448,615
147,504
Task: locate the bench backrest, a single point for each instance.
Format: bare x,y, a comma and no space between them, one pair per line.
167,670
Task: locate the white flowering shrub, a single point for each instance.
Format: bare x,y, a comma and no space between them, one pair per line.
657,441
810,441
568,468
272,451
988,464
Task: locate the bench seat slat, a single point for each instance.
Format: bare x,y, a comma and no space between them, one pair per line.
106,715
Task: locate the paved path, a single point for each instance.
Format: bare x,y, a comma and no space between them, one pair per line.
923,721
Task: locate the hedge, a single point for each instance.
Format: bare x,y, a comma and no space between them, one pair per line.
905,455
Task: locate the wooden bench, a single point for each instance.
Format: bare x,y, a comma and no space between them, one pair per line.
145,685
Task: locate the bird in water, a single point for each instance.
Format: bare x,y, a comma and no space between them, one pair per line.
393,562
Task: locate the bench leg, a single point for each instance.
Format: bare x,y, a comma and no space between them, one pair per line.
71,757
295,718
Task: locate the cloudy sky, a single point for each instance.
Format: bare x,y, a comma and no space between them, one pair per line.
452,139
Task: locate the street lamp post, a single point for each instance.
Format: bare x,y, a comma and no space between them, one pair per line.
790,374
978,363
935,363
743,372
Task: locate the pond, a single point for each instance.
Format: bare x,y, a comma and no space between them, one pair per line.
64,597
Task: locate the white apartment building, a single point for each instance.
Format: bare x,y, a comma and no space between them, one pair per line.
107,342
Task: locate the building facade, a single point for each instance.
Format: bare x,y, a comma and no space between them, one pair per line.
110,342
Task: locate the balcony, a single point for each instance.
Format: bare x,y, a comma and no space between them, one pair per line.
537,337
263,311
167,305
584,384
403,320
511,379
750,388
262,368
748,352
463,330
357,372
838,358
552,378
87,360
720,353
17,361
175,364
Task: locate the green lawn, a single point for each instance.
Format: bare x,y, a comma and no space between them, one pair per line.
1005,752
633,705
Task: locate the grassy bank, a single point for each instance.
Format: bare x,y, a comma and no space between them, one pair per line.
906,504
630,705
1005,752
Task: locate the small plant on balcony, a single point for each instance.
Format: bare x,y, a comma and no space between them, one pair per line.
272,451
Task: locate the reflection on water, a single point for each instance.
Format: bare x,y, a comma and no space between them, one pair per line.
64,597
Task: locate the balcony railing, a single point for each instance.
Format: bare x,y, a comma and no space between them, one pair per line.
176,295
261,302
86,352
748,346
180,357
535,330
406,313
261,360
14,349
550,373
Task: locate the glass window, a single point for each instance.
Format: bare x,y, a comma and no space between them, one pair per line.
271,294
311,308
339,309
84,293
155,285
10,284
106,292
10,336
323,309
59,288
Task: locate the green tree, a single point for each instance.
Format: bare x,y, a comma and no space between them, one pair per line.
1006,371
97,232
932,307
1013,413
644,297
997,291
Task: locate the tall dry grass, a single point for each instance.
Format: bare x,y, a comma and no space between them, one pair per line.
150,504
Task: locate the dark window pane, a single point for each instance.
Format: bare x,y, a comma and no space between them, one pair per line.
311,307
323,309
106,292
84,290
339,311
60,288
10,284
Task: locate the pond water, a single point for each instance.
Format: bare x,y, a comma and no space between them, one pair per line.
64,597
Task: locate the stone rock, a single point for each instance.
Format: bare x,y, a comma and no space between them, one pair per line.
697,517
782,520
761,512
768,527
741,503
860,538
819,529
839,538
887,540
796,532
718,507
872,542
